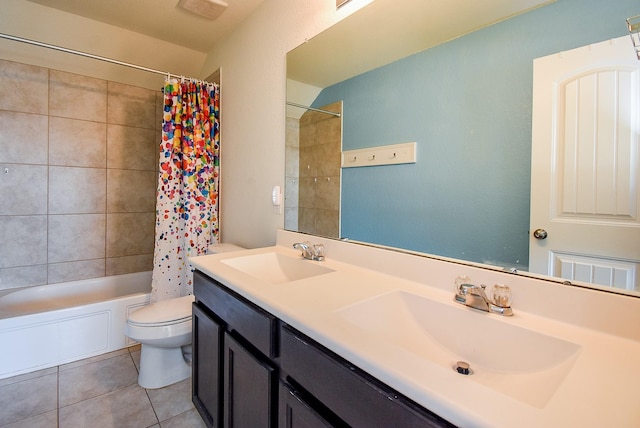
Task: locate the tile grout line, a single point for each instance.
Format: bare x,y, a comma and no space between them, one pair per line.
146,391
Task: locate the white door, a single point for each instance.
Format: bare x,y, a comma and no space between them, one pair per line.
585,184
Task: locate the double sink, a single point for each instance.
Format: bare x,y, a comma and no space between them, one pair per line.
519,362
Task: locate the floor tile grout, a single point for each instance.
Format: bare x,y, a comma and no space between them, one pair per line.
102,387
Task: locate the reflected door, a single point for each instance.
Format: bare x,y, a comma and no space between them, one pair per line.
585,195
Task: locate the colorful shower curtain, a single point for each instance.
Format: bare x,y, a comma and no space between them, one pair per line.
187,196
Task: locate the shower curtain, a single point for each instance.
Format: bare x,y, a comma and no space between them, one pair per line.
187,195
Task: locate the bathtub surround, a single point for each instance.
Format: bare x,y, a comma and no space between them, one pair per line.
187,195
78,157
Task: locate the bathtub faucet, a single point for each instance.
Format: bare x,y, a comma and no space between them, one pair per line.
310,252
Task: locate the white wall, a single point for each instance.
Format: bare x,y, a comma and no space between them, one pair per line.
44,24
253,81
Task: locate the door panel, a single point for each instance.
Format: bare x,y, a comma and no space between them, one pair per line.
584,181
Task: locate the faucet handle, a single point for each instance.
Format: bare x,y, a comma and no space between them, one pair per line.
318,250
501,295
465,289
460,281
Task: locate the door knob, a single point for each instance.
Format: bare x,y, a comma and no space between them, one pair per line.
540,234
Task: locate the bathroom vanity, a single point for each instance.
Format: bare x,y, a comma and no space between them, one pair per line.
253,370
370,336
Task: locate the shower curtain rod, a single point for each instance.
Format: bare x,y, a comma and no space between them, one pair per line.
314,109
100,58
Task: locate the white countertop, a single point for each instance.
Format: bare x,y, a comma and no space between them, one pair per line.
601,388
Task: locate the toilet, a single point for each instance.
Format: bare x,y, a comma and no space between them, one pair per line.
164,330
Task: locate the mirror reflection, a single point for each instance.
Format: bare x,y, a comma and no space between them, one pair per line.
314,144
464,98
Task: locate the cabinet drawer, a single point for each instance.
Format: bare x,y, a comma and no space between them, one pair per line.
241,316
354,396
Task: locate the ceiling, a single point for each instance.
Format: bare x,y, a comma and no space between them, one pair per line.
424,24
161,19
385,31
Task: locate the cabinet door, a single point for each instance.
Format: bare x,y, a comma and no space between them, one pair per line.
295,413
248,388
207,369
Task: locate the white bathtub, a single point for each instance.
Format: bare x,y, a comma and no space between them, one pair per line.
54,324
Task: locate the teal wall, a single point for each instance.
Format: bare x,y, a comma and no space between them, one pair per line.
467,104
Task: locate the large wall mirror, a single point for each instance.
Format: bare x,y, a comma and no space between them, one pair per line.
455,77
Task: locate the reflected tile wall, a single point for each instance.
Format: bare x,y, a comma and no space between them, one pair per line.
78,198
292,173
320,172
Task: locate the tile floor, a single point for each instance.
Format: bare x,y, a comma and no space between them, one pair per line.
98,392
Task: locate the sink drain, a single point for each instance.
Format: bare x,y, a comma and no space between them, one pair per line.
463,368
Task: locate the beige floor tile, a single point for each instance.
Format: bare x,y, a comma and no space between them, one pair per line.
135,348
28,398
45,420
171,400
96,378
188,419
136,358
27,376
128,407
101,391
95,359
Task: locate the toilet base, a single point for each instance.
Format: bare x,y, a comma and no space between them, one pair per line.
160,367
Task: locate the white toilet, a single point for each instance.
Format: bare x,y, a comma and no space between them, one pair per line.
163,328
165,331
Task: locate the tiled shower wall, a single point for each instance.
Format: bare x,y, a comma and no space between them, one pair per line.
292,173
78,162
319,168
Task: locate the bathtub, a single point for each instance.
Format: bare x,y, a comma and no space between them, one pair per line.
54,324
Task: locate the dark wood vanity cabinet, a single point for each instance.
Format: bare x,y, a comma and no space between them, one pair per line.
207,366
234,344
294,412
346,395
251,370
249,382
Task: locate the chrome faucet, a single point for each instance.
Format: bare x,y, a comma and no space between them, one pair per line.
475,297
310,252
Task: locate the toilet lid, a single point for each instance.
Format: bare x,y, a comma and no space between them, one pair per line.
164,312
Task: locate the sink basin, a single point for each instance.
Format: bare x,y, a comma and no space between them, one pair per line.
522,363
276,268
